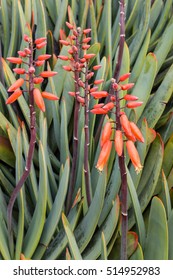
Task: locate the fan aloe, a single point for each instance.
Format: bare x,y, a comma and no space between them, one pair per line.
88,229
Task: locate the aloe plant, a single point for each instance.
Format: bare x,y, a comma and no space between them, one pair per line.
50,221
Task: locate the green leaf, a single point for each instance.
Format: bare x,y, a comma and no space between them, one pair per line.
5,25
156,246
71,239
144,84
103,247
84,231
138,254
6,152
64,147
137,209
93,250
61,18
170,234
35,229
55,213
3,239
157,104
59,243
14,29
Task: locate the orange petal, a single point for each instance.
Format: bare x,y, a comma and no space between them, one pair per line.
16,60
14,96
136,131
16,85
134,156
104,155
106,133
118,142
46,74
39,99
49,95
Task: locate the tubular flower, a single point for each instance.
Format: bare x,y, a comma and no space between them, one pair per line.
41,45
16,85
136,132
39,99
134,104
40,40
134,156
104,155
129,97
106,133
99,94
118,142
127,86
43,56
19,70
38,80
13,97
126,125
89,55
46,74
49,95
97,82
124,77
98,111
16,60
108,106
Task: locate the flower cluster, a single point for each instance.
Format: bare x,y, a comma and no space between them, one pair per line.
125,130
26,57
78,44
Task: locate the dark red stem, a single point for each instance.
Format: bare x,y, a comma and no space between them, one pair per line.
75,134
86,145
31,148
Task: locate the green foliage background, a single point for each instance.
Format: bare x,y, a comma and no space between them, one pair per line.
41,229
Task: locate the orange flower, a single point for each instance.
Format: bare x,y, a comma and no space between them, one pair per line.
19,70
43,56
118,142
69,25
108,106
40,40
63,57
98,111
65,43
127,86
14,96
86,40
49,95
136,132
106,133
99,94
130,97
134,104
38,80
39,63
97,67
67,68
89,55
126,125
86,31
39,99
124,77
41,45
16,60
46,74
16,85
104,155
97,82
134,156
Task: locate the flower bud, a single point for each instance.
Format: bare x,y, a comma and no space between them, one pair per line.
67,68
97,82
13,97
19,70
69,25
89,55
22,53
97,67
41,45
127,86
43,56
40,40
99,94
86,31
27,50
124,77
65,43
136,131
118,142
39,99
31,70
129,97
18,83
49,95
16,60
46,74
38,80
63,57
106,133
134,104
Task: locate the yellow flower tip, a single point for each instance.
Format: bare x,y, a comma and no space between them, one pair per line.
138,169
